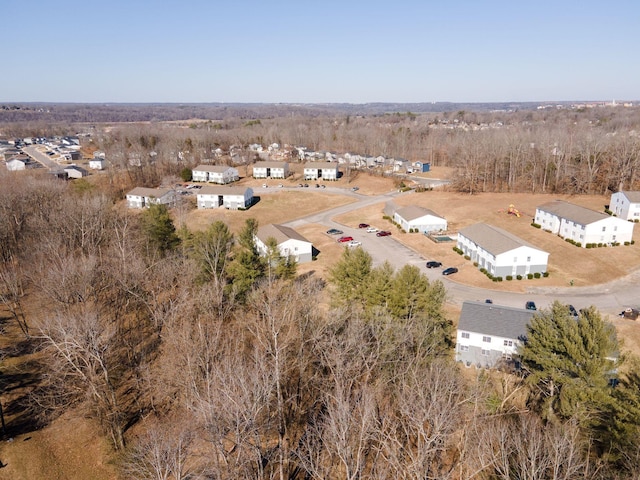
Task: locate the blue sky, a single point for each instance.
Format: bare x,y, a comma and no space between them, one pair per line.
352,51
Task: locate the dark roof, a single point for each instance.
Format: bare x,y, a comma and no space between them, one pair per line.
572,212
491,319
493,239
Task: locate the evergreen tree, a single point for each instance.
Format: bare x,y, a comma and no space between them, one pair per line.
350,276
247,266
159,228
569,361
277,265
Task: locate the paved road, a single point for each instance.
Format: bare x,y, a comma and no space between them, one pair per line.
40,157
610,298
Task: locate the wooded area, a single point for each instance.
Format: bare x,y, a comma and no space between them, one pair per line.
201,359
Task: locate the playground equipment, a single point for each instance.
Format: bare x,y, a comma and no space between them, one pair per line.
513,211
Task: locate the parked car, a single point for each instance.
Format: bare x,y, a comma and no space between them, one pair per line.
530,305
345,239
306,185
488,300
363,225
322,186
449,271
383,233
280,185
317,185
354,243
335,231
372,230
355,189
573,311
264,185
433,264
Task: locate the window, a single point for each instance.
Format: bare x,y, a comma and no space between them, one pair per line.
464,334
486,339
604,229
506,356
464,348
508,343
485,352
528,259
515,259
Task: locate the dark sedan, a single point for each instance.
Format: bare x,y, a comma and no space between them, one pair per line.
449,271
433,264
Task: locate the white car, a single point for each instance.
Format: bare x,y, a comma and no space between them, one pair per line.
354,243
372,230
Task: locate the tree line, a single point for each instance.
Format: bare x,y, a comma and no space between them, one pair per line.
200,358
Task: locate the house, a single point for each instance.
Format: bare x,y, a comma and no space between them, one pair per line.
626,205
421,166
74,171
321,170
488,334
232,198
271,170
215,174
290,242
141,197
420,219
582,225
97,163
500,252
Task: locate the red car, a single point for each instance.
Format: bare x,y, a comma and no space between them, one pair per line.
363,225
383,233
345,239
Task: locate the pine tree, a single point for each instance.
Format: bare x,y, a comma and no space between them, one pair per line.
350,276
159,228
569,362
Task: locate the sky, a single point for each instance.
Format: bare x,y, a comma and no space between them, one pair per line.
319,51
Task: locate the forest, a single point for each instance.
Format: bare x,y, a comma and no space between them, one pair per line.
198,358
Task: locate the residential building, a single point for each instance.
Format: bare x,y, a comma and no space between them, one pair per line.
321,170
16,164
74,171
215,174
501,253
141,197
271,170
290,243
582,225
97,163
232,198
489,334
626,205
419,218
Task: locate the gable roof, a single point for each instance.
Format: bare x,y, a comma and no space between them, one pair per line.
223,190
413,211
322,165
280,233
212,168
632,196
493,239
491,319
270,164
149,192
570,211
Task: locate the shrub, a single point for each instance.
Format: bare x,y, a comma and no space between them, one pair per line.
627,244
529,276
509,277
535,225
536,275
499,279
545,274
599,244
483,270
467,257
519,277
475,264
